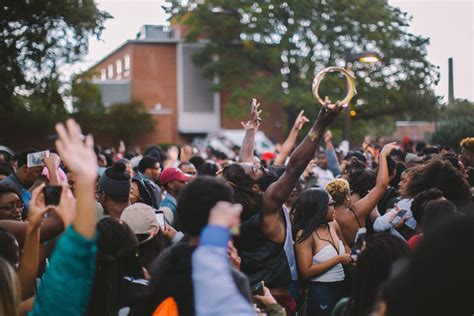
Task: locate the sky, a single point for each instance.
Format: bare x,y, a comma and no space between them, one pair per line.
448,23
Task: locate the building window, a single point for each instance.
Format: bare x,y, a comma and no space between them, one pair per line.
126,62
103,74
110,71
119,67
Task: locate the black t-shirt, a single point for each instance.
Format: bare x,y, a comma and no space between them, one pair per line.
262,259
172,277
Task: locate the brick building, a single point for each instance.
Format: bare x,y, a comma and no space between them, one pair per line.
157,69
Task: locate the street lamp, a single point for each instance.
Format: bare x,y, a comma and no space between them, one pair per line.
365,57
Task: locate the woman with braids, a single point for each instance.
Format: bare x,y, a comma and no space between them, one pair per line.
119,281
372,269
320,250
351,216
265,243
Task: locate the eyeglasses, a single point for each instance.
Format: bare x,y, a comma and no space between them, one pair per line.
12,207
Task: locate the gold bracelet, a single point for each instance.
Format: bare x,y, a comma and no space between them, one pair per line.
313,135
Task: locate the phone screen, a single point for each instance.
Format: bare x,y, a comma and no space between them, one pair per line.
358,242
399,216
52,194
160,217
258,289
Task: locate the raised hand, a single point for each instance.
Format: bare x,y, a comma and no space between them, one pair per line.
328,136
36,207
387,149
225,214
328,113
300,121
254,121
52,162
78,155
66,209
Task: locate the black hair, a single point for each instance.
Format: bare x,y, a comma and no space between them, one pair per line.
146,196
5,169
5,188
399,169
442,175
419,147
310,210
117,257
421,199
372,269
196,201
362,181
9,249
417,289
197,161
147,162
453,160
22,158
431,150
398,153
155,152
356,154
435,213
242,183
209,168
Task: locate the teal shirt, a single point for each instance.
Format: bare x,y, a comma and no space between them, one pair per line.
67,283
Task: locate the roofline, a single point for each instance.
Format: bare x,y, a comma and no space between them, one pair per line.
144,41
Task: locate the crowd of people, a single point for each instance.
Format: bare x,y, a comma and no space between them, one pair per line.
385,229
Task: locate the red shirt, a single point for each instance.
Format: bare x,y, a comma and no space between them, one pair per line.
414,241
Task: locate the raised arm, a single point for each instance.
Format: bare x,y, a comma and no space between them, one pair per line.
50,228
290,141
251,128
331,154
364,206
278,192
72,264
29,260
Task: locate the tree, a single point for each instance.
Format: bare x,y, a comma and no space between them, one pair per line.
116,122
456,122
272,50
36,38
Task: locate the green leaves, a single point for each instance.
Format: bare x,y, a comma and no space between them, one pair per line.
272,50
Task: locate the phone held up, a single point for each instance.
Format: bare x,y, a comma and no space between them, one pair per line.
52,194
358,243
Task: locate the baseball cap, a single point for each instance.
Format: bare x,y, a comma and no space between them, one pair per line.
268,156
142,219
170,174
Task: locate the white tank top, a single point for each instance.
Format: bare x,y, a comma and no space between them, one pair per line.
334,274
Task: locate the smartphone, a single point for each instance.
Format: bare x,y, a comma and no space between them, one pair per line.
399,216
160,217
258,289
36,159
52,194
358,242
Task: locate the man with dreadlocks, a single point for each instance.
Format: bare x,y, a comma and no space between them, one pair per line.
265,243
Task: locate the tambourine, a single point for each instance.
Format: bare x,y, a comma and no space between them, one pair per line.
350,79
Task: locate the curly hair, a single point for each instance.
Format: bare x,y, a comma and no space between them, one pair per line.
421,199
467,144
338,189
362,181
441,175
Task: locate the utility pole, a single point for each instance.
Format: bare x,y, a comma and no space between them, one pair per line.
451,82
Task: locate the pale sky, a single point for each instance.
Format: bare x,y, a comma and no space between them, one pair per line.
448,23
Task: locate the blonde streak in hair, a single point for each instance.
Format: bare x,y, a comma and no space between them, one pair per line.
11,298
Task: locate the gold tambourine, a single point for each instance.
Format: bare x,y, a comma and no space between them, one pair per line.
350,78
